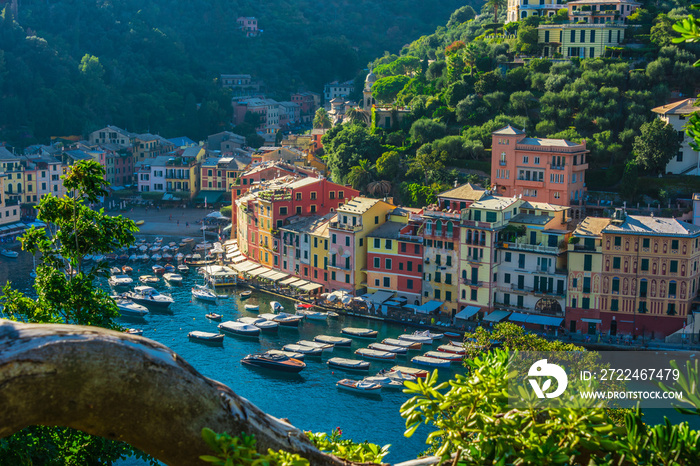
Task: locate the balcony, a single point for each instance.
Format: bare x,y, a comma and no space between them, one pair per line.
470,282
557,167
580,167
476,260
510,306
417,239
502,163
343,226
475,224
529,247
522,182
442,214
340,267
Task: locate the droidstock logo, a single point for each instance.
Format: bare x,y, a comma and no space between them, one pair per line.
542,369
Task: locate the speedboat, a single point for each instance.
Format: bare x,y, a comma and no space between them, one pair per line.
452,349
127,269
120,281
207,337
251,307
115,271
149,297
359,386
169,268
203,293
276,307
246,294
335,341
148,279
240,329
182,268
452,357
173,278
348,364
315,344
275,361
389,348
307,350
130,308
360,332
385,382
158,270
214,316
412,345
430,362
410,371
375,354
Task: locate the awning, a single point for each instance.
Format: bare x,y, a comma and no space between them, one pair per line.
518,317
545,320
247,265
311,287
259,271
289,280
379,297
267,274
210,196
429,307
496,316
299,283
277,276
592,321
467,312
238,259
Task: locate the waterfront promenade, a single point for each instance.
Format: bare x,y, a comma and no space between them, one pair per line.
167,221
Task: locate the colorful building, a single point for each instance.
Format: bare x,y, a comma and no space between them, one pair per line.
540,170
676,114
521,9
601,11
441,242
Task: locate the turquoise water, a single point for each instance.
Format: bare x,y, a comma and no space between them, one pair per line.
310,400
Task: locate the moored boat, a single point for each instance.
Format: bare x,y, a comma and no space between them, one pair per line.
206,337
168,267
149,297
315,344
115,271
389,348
312,315
398,375
251,307
412,345
339,342
127,269
134,331
279,362
375,354
359,386
451,349
307,350
348,364
203,293
182,268
423,339
287,320
240,329
148,279
8,253
214,316
453,336
262,324
120,281
430,362
360,332
158,270
385,382
130,308
412,371
276,306
452,357
289,354
246,294
173,278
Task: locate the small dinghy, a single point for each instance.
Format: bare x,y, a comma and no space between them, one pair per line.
359,386
452,357
276,306
315,344
339,342
411,371
246,294
307,350
130,308
360,332
278,362
240,329
348,364
412,345
134,331
207,337
375,354
389,348
214,316
430,362
385,382
452,349
453,336
251,307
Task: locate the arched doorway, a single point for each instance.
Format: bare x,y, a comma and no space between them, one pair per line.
548,306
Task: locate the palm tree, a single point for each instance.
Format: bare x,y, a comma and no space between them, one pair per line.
361,175
357,115
496,4
379,188
470,54
321,119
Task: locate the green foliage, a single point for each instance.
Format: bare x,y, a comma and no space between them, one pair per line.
226,211
241,451
388,165
346,449
461,15
418,195
321,119
426,130
361,175
655,146
385,89
346,145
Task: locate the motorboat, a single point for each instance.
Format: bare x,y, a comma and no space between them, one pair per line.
246,294
452,349
398,375
149,297
368,353
206,337
97,258
307,350
214,316
133,258
359,386
276,306
275,361
289,354
240,329
187,240
158,270
251,307
312,315
179,257
332,314
203,293
430,362
123,257
262,324
348,364
385,382
389,348
148,279
115,271
111,256
182,268
156,257
360,332
120,281
422,339
127,269
144,258
134,331
411,371
130,309
301,306
452,357
158,240
453,336
169,268
288,320
173,278
167,257
315,344
335,341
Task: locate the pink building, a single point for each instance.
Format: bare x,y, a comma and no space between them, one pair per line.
541,170
601,11
258,106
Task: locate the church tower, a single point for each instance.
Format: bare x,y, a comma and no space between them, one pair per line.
368,100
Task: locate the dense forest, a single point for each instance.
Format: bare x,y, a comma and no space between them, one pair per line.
70,66
469,78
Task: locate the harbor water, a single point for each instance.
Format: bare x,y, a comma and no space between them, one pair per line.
310,399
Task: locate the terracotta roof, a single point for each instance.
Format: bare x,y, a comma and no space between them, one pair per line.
682,107
467,192
508,131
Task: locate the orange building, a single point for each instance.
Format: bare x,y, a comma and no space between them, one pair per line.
541,170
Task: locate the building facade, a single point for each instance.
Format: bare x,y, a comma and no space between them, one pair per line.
676,114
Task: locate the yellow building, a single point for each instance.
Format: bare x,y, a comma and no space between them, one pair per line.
579,40
585,267
521,9
9,212
182,177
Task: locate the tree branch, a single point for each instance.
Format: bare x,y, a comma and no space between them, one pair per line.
127,388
